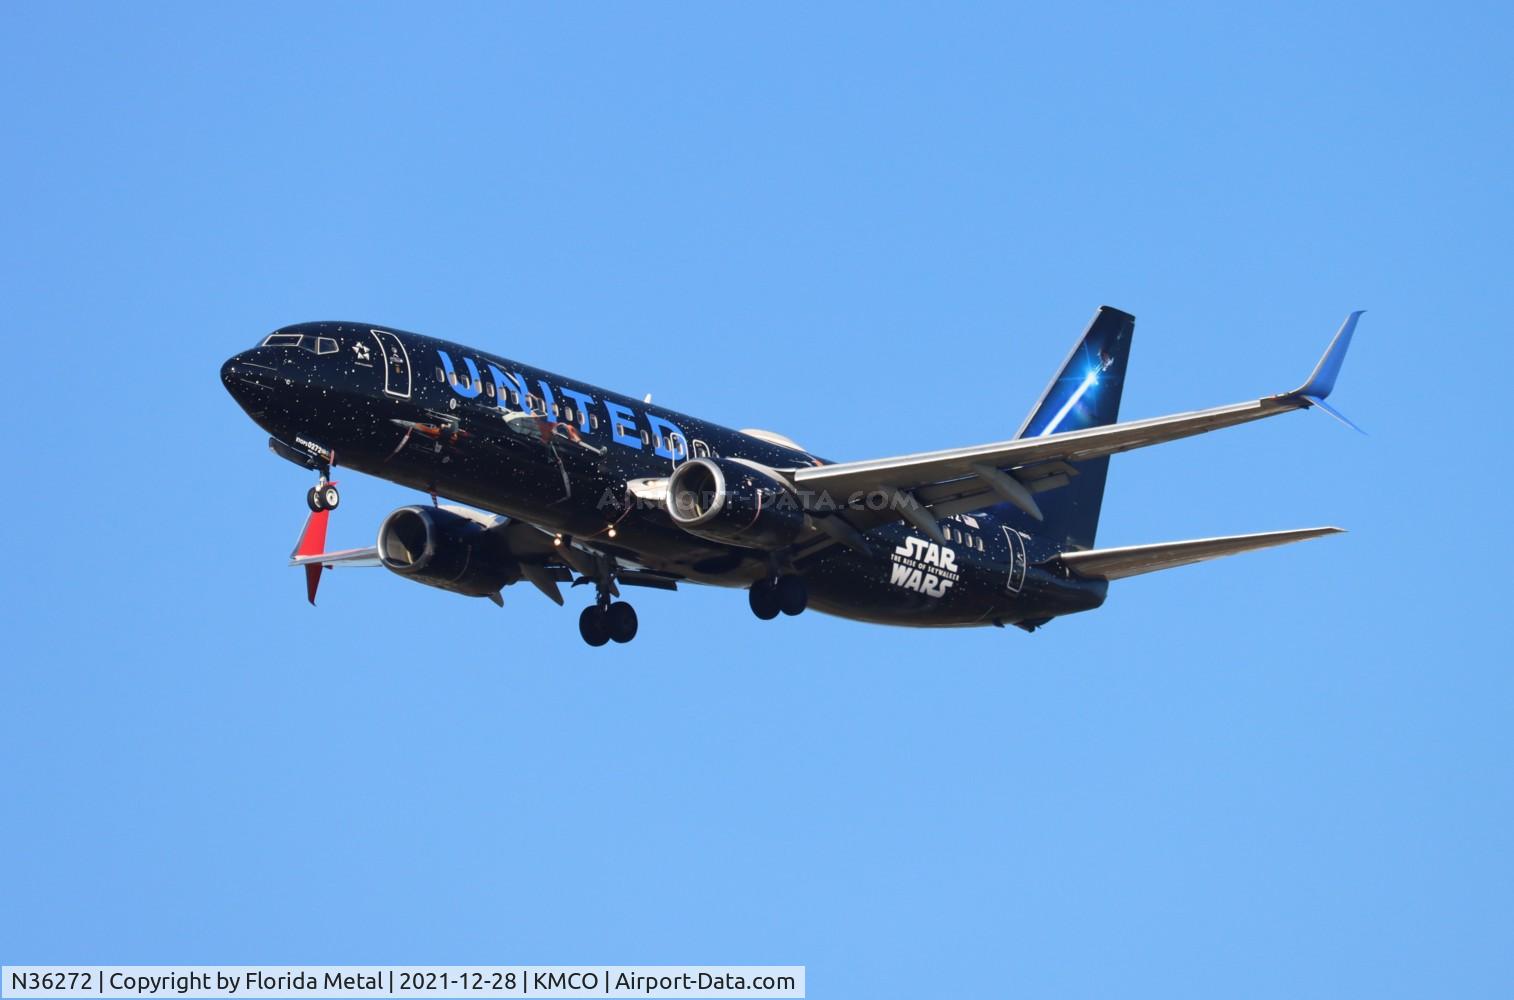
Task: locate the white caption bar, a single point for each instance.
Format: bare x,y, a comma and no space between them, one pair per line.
355,981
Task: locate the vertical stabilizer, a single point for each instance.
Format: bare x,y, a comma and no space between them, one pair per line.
1085,392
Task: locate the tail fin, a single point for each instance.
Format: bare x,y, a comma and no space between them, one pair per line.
1085,393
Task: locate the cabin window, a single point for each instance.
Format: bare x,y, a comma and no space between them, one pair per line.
452,377
489,389
979,541
556,412
441,376
646,438
567,414
594,421
513,396
532,403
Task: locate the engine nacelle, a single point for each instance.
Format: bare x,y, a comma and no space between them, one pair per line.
439,548
733,503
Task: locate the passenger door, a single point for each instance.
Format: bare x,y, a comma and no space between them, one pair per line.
396,363
1016,578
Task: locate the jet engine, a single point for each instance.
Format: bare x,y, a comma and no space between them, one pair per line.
733,503
440,548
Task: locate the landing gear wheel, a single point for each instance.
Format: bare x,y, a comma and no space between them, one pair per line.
792,594
330,498
313,499
620,620
593,626
763,597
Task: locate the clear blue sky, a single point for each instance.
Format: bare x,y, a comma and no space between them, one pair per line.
874,230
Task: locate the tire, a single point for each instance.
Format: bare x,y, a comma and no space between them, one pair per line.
330,498
313,499
592,626
792,594
764,600
620,621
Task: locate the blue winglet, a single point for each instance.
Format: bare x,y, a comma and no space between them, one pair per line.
1323,379
1337,414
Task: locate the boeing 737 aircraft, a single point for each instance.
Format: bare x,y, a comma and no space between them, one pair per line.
556,481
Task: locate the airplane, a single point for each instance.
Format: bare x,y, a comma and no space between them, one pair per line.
552,481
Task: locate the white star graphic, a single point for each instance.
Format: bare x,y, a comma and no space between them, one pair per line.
361,350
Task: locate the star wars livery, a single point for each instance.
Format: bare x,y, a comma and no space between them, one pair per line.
553,481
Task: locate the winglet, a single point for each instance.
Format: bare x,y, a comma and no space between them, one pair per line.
1323,379
1337,414
312,543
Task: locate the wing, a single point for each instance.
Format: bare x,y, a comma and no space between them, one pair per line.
927,485
345,557
546,559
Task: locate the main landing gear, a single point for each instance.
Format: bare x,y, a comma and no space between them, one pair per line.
605,621
788,594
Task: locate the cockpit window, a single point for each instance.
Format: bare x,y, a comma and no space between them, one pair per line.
304,341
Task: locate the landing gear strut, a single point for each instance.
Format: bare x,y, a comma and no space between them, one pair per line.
606,620
788,593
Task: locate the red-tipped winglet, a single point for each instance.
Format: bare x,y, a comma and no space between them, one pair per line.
312,543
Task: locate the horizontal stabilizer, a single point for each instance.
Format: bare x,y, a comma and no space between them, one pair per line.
1133,560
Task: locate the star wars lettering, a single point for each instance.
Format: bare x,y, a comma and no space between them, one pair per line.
924,567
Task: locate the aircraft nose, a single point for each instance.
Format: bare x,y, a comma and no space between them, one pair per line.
241,377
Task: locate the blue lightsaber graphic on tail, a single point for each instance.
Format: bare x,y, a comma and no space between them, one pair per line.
1084,393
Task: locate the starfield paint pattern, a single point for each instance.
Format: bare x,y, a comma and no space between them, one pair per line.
554,481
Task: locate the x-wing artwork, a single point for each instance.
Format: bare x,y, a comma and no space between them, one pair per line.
554,481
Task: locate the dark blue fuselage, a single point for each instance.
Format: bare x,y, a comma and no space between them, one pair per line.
578,460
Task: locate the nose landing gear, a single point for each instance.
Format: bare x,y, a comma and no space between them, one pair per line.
309,455
323,496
